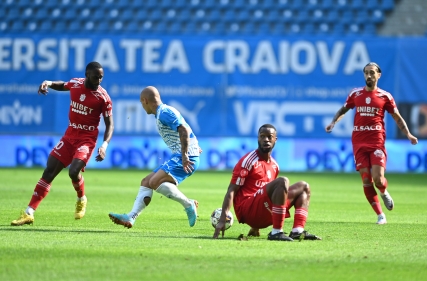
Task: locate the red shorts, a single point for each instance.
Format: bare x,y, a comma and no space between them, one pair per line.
255,211
68,149
367,155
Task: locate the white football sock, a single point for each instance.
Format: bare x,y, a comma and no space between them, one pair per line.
139,203
30,211
171,191
275,230
81,198
297,229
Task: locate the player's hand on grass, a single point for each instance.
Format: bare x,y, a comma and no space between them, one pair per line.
254,232
220,227
43,88
101,154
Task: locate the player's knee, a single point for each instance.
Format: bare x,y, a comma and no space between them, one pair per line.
366,177
378,181
73,173
283,182
306,187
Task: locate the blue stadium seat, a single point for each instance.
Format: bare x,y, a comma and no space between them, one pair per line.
75,26
357,4
151,4
303,16
59,26
278,29
362,16
338,28
239,4
190,28
126,14
327,4
313,5
373,4
318,16
156,15
369,29
298,4
141,14
347,16
137,5
214,15
184,15
103,26
68,14
258,15
17,26
45,26
180,4
13,14
132,26
308,28
160,27
283,4
377,16
243,15
342,4
387,5
229,15
175,28
273,16
98,14
324,28
248,28
263,28
295,28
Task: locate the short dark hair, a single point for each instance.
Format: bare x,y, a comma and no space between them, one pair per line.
373,64
93,65
268,126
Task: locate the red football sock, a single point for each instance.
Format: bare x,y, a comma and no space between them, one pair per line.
278,214
40,191
372,197
382,187
79,187
300,217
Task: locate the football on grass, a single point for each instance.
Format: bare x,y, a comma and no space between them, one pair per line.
217,214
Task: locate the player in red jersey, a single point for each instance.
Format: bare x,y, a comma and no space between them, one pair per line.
261,198
369,136
88,101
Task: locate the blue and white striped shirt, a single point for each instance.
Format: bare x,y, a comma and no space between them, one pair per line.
168,121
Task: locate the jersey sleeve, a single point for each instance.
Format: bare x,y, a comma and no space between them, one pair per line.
72,81
107,108
349,103
390,104
171,118
239,174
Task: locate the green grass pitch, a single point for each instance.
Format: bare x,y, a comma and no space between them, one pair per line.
161,245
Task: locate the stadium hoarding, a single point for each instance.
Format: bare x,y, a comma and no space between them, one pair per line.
292,155
223,86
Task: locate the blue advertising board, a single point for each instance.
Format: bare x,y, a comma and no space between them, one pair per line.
292,155
223,86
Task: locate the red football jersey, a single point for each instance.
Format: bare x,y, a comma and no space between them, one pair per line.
252,173
369,115
86,107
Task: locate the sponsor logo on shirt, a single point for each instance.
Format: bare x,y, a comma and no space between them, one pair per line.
368,100
80,108
367,110
82,127
367,128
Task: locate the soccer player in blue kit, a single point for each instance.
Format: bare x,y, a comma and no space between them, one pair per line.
184,161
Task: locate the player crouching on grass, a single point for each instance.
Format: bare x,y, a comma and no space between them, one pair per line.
260,198
89,101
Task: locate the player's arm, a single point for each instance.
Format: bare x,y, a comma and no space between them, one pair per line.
226,206
108,134
184,137
56,85
403,127
340,114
